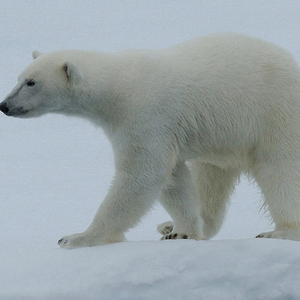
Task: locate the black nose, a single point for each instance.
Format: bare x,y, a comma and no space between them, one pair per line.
4,108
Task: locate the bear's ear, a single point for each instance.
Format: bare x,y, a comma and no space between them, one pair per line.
36,54
73,73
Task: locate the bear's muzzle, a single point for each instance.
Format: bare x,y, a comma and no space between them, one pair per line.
12,112
4,108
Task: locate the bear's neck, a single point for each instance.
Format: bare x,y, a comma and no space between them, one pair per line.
106,92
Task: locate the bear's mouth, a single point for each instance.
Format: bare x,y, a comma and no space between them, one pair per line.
15,112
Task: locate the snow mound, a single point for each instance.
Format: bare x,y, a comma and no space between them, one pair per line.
226,269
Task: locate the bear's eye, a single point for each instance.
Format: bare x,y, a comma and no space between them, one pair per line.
30,83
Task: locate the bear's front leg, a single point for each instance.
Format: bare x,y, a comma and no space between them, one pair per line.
181,201
87,239
139,181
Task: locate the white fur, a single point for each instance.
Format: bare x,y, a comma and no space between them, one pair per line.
184,123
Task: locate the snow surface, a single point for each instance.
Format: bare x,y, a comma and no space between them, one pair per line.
56,170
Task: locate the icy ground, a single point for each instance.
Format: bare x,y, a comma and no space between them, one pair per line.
55,171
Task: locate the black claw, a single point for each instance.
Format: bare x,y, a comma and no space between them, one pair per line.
61,240
185,236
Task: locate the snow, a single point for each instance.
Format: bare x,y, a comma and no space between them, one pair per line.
55,171
227,269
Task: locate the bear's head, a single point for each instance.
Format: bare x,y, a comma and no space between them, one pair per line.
46,85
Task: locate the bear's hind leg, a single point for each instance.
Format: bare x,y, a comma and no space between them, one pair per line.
280,184
214,186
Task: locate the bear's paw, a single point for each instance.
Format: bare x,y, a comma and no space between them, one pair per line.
176,236
79,240
165,228
288,234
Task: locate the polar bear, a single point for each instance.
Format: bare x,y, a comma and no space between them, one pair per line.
184,123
